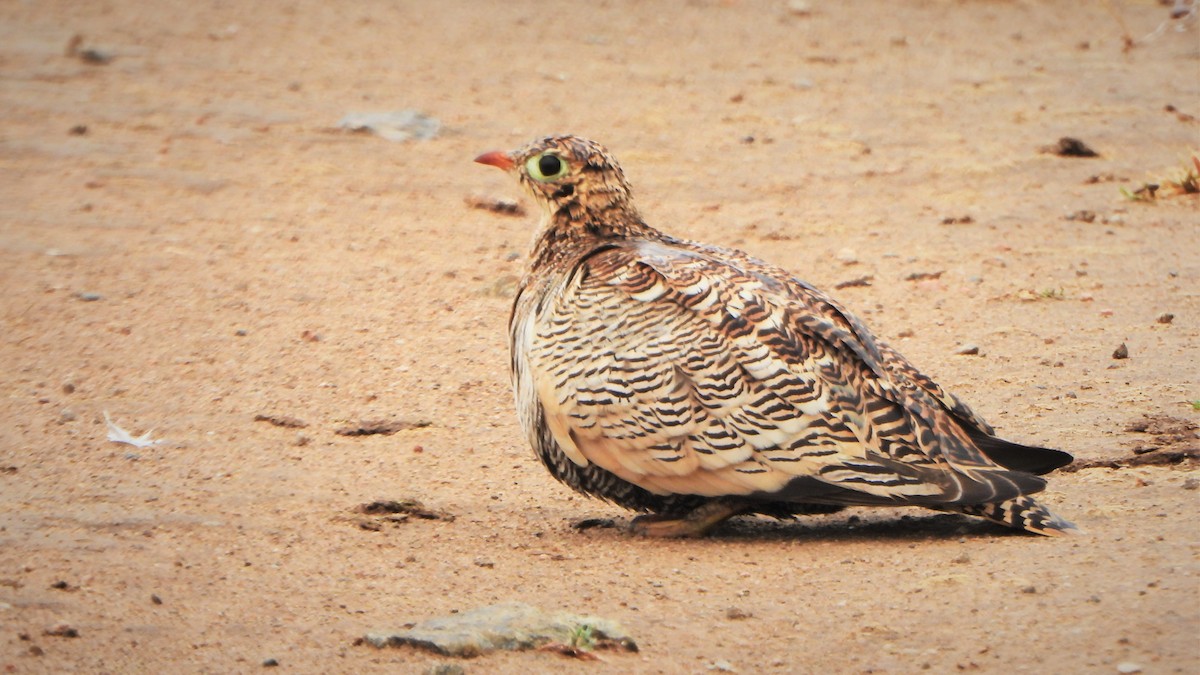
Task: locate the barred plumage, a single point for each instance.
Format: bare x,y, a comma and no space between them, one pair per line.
697,383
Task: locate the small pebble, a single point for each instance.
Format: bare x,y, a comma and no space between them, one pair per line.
967,350
89,297
1166,317
500,205
62,630
1128,667
270,663
94,56
1070,147
1121,352
1191,484
800,7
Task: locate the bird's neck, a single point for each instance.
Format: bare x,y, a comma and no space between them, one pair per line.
572,230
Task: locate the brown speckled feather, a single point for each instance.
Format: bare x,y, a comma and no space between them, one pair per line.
698,382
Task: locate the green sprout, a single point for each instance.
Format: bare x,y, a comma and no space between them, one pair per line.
583,638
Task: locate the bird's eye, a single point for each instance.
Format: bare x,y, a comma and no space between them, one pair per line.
546,167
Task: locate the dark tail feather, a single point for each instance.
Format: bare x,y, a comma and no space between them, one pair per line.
1020,457
1022,513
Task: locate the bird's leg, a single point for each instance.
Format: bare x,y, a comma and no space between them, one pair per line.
695,523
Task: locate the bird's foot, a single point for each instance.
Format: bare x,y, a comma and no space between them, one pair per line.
696,523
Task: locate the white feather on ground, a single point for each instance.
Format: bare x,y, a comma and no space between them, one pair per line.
118,435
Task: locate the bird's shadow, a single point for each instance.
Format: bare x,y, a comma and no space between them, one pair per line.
835,527
854,528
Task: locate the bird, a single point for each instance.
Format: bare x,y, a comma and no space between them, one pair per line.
692,383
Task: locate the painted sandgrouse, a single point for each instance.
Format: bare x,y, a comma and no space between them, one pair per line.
696,383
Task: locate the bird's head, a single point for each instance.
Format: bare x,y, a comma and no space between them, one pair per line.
570,177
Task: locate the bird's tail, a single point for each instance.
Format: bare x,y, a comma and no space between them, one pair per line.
1022,513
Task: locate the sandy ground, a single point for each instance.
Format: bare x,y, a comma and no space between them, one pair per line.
186,242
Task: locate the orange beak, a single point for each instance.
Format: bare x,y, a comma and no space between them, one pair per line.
498,159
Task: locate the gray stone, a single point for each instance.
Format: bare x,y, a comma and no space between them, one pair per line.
397,125
511,626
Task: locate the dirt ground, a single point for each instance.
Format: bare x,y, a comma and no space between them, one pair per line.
187,242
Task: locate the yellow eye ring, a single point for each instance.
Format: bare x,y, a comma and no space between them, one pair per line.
546,167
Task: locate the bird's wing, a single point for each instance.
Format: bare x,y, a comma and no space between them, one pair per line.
881,357
918,391
684,372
